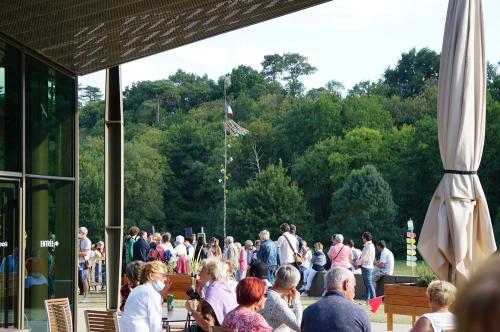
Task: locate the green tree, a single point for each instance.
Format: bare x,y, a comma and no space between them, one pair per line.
335,87
307,122
359,147
412,109
194,197
364,203
89,94
296,65
194,89
493,82
245,79
489,172
144,101
91,119
92,186
413,69
312,172
146,173
367,112
272,67
266,202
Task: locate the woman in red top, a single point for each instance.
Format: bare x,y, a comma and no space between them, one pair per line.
250,297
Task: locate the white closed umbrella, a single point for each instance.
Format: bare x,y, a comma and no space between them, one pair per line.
457,231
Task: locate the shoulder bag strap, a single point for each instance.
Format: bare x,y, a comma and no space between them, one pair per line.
290,243
339,252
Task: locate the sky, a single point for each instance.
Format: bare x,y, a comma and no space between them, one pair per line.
346,40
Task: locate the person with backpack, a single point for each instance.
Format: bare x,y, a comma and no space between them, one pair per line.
129,244
163,251
153,253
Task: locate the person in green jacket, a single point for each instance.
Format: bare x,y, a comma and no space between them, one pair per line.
129,244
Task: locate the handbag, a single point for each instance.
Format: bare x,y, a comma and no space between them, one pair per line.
296,256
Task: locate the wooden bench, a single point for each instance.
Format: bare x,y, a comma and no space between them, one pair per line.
404,299
180,284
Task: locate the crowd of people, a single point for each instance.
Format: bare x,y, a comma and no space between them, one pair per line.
254,287
251,287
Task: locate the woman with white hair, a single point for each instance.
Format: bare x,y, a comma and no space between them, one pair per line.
217,300
181,252
276,311
340,254
268,253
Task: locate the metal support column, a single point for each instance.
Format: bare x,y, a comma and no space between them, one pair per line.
113,185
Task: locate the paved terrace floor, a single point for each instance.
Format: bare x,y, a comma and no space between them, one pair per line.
97,301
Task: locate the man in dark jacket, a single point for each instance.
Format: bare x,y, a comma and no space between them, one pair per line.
141,247
336,311
268,253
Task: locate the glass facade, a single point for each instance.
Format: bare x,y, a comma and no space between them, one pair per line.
37,153
49,254
10,109
49,120
9,251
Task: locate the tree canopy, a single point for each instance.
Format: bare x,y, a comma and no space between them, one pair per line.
324,159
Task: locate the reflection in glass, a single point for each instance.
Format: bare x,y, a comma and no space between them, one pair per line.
10,109
9,252
49,250
50,110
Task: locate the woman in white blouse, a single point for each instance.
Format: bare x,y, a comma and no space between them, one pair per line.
366,263
143,307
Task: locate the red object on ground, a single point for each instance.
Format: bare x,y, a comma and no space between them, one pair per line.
375,303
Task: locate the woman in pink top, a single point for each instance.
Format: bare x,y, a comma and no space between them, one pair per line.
242,267
340,254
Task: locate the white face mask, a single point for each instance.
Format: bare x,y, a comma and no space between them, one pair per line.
158,286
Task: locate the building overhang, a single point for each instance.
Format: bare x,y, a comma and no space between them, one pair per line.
84,36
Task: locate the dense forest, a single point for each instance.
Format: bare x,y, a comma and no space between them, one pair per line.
327,159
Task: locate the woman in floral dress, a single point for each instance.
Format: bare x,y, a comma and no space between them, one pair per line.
250,297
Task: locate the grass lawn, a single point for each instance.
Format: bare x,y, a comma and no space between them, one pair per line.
400,268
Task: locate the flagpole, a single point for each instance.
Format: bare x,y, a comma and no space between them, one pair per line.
227,82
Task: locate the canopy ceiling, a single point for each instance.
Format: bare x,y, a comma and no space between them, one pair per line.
84,36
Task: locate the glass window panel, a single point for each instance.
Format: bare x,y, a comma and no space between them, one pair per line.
50,116
49,253
9,253
10,109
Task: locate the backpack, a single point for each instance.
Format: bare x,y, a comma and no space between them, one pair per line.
159,254
167,256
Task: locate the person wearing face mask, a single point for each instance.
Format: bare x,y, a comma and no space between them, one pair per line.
143,307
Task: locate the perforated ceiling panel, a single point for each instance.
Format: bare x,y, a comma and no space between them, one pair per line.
85,36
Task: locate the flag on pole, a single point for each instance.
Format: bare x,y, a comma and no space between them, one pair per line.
229,110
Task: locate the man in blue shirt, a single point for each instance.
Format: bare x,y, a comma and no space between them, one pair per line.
268,253
336,312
